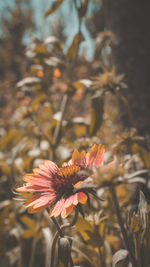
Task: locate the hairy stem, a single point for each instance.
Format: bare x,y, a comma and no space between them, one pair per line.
60,232
127,242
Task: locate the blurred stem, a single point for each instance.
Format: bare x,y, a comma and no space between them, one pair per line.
137,246
78,41
102,261
66,96
64,226
33,246
62,110
57,226
126,105
127,242
41,129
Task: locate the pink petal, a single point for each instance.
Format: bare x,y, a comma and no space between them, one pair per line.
51,166
82,198
40,200
70,162
69,201
45,169
95,155
33,188
83,157
42,173
78,158
66,211
45,200
90,156
64,164
99,157
38,181
75,199
75,157
57,208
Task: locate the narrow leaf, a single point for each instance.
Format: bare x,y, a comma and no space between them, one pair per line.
73,47
96,115
54,7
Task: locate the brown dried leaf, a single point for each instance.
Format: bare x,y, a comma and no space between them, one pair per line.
73,47
96,115
120,255
109,172
54,7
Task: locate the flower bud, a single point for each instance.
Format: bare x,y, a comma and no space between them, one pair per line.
64,249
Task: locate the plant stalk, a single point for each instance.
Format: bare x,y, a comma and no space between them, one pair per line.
127,242
62,110
60,232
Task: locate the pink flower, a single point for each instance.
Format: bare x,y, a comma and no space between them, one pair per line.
55,187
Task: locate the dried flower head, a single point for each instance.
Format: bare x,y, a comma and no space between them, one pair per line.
55,187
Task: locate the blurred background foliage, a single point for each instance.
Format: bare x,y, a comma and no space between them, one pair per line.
75,73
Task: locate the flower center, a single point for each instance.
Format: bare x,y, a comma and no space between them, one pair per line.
66,178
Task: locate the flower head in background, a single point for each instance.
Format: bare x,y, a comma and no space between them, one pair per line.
57,188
